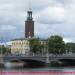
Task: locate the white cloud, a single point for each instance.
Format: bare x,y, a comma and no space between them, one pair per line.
66,40
51,15
7,27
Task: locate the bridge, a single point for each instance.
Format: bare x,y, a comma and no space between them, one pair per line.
22,57
38,58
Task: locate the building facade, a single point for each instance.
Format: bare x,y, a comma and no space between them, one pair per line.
21,46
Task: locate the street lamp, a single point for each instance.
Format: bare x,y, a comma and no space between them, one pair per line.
47,56
1,52
1,48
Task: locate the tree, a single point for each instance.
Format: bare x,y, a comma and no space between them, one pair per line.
35,45
2,49
56,45
70,47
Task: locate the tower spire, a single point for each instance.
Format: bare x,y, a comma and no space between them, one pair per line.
29,23
29,12
29,5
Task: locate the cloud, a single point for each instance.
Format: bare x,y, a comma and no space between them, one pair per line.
66,40
51,15
8,27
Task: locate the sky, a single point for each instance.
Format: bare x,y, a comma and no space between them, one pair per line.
52,17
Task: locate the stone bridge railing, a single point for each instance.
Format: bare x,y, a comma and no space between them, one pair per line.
38,57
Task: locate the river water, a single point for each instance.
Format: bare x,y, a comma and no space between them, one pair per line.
37,71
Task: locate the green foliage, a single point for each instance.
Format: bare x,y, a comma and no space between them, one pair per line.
56,45
3,49
70,47
35,45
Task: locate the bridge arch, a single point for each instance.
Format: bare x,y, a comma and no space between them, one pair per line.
29,62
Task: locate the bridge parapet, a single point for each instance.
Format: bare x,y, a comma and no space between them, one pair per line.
39,57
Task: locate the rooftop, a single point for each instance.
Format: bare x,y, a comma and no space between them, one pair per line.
28,39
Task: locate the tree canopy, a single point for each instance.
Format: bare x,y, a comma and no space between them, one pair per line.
2,49
35,45
70,47
56,45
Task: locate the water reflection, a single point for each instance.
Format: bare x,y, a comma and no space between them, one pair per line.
14,64
39,71
18,67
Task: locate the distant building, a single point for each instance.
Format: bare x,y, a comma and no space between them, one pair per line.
21,46
29,25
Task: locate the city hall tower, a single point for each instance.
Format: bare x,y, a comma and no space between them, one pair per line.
29,25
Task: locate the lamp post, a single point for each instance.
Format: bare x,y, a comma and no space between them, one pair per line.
47,55
1,52
1,60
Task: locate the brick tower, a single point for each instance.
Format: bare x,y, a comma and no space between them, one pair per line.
29,25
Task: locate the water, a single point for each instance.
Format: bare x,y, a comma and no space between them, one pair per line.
39,71
20,70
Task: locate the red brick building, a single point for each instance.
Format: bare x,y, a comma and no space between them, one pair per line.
29,26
